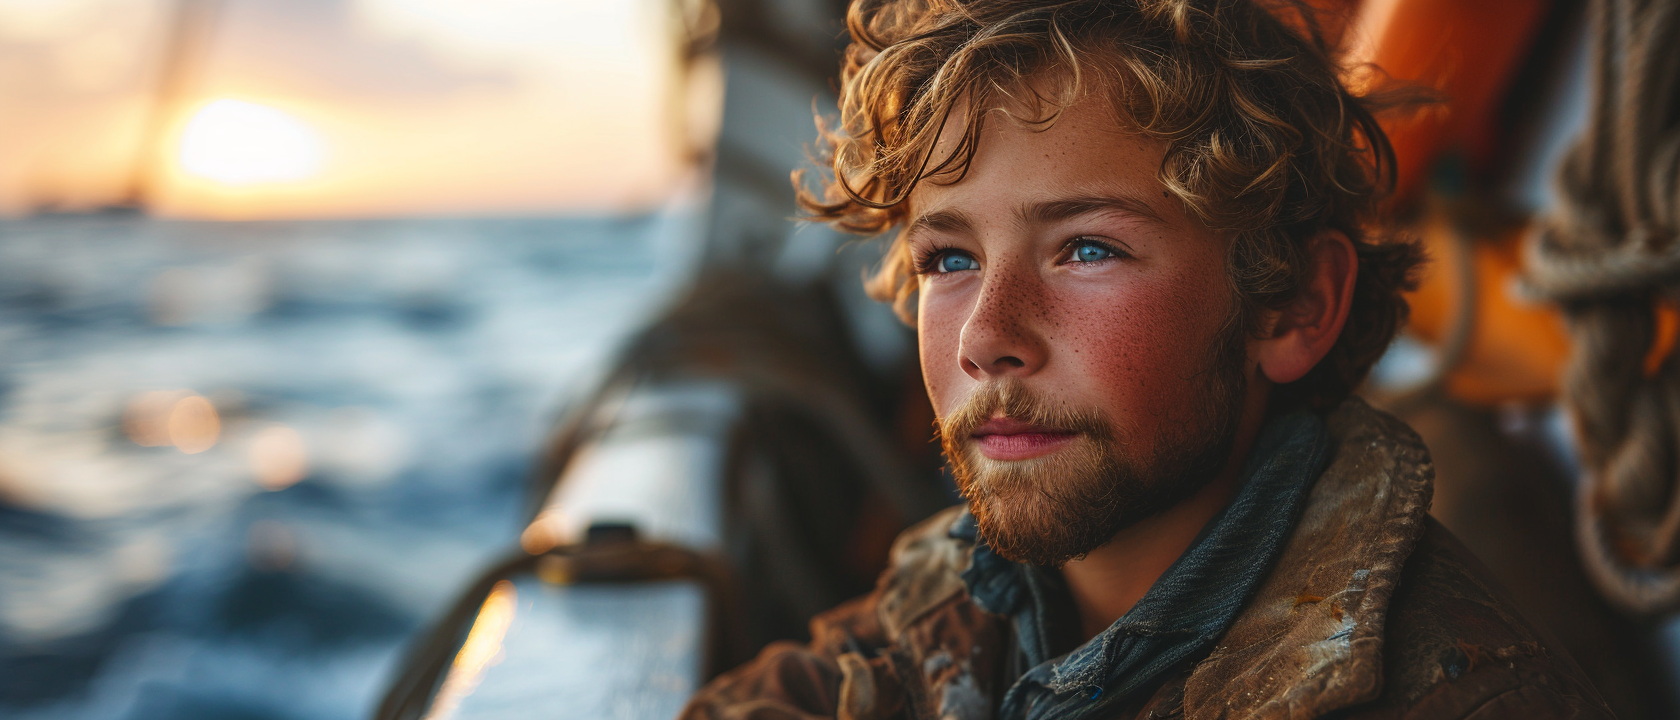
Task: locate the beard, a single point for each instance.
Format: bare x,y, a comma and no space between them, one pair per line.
1058,507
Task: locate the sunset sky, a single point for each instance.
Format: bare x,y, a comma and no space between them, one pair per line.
346,108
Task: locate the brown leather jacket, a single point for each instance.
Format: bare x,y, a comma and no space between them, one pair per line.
1373,611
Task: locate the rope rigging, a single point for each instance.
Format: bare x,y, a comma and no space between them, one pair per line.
1607,256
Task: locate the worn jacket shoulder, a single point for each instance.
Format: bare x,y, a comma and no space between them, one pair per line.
1457,648
1375,611
924,570
1310,642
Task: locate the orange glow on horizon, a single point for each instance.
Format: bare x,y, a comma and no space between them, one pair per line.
392,108
235,142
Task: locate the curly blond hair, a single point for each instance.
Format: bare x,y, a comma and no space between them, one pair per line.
1265,143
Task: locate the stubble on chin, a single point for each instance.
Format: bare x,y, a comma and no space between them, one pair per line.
1058,507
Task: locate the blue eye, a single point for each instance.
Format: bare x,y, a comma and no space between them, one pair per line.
953,262
1091,252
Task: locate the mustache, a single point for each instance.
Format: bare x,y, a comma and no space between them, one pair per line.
1011,398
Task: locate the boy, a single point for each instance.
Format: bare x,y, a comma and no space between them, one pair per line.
1133,234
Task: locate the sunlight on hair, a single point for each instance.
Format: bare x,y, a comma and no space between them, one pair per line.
482,649
241,143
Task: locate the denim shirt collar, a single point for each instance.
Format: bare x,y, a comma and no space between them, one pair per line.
1184,612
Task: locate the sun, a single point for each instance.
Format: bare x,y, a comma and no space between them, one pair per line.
235,142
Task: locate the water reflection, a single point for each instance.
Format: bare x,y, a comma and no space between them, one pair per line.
482,649
278,457
359,434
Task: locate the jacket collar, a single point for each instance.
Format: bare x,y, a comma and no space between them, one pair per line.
1310,642
1187,610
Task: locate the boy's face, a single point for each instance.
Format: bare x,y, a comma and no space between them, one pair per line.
1075,334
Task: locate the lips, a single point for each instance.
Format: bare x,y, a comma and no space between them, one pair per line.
1003,438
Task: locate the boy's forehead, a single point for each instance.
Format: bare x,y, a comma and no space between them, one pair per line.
1085,153
1018,115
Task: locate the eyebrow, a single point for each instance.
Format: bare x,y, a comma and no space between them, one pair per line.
1051,211
949,221
1040,213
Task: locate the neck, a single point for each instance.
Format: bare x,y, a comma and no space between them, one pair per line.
1109,580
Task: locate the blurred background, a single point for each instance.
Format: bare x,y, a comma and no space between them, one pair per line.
261,109
338,336
290,293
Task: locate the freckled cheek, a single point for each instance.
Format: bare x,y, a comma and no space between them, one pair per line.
939,321
1138,350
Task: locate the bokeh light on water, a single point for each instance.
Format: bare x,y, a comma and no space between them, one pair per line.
241,463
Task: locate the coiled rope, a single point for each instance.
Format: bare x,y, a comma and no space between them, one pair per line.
1607,254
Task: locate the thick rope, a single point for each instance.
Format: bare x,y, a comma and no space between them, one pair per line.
1608,254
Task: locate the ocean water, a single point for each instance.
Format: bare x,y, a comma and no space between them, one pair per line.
241,464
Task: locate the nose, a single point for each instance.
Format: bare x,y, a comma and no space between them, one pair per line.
1001,336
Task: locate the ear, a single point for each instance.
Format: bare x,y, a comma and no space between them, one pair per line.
1303,331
